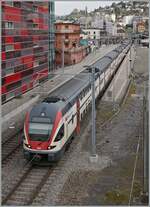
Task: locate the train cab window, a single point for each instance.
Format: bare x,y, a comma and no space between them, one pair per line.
40,129
60,134
39,132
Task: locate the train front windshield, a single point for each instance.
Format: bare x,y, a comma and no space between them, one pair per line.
40,131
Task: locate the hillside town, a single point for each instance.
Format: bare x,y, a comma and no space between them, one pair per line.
104,25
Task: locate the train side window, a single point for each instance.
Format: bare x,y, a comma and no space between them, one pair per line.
72,119
60,134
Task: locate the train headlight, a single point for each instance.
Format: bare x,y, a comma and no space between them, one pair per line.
51,147
27,145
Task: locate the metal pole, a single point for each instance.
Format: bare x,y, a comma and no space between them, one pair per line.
62,54
145,147
130,56
93,157
49,37
114,81
93,112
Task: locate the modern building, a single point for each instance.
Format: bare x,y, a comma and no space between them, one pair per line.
67,42
27,45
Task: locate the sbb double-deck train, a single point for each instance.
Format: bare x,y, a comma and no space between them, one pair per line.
49,125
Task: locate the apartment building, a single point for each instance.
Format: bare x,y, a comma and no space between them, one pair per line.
27,45
67,36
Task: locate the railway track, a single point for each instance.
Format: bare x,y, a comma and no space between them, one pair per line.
28,187
11,146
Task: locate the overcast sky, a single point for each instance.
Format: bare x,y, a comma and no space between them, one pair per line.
65,7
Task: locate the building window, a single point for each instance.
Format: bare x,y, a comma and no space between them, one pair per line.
36,63
9,71
9,48
13,86
74,44
35,26
9,25
10,95
35,9
10,3
66,36
66,44
17,4
66,26
94,32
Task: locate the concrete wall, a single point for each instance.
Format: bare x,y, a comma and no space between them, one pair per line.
120,82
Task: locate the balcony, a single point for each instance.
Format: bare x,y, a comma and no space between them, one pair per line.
62,31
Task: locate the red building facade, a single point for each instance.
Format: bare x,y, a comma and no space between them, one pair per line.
67,36
24,46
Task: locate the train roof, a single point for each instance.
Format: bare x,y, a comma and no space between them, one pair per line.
64,96
45,110
104,62
72,87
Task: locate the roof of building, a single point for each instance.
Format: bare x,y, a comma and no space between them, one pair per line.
67,22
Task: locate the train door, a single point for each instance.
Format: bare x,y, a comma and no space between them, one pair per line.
72,121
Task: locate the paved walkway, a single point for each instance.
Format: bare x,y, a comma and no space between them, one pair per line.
16,105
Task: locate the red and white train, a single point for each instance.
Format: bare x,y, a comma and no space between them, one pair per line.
49,125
